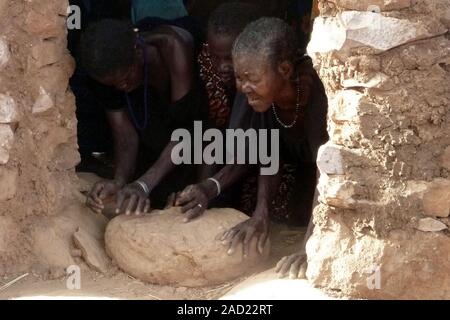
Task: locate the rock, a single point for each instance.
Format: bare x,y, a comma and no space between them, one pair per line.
414,187
436,200
8,110
344,107
378,81
92,251
328,35
430,225
43,102
446,221
53,78
6,140
8,183
422,258
351,29
46,52
383,33
348,106
336,191
373,5
329,159
445,159
52,238
4,53
159,248
366,224
66,156
77,216
50,246
440,9
44,25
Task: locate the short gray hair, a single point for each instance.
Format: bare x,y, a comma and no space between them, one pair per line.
271,39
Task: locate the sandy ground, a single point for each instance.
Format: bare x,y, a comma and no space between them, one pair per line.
263,286
118,285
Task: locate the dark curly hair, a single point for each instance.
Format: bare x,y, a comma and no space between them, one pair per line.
231,18
107,46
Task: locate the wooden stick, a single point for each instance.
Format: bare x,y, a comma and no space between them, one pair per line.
13,281
153,296
220,287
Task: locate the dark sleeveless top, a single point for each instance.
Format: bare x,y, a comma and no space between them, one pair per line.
313,118
163,116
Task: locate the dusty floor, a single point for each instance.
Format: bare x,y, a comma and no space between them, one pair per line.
118,285
121,286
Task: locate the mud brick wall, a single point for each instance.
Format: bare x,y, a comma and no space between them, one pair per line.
385,183
38,147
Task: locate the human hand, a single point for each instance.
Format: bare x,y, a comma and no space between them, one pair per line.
99,192
295,265
132,199
255,227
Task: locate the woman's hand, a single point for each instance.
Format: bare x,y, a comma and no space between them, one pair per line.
99,192
132,199
295,265
255,227
194,199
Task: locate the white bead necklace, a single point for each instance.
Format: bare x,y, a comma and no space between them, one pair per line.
297,109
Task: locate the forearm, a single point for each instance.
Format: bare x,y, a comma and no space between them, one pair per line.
230,174
267,190
310,229
163,166
206,171
125,155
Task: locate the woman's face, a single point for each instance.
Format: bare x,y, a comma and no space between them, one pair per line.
258,81
219,47
126,79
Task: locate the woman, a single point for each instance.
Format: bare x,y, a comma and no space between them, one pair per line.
285,93
156,72
279,80
217,78
215,62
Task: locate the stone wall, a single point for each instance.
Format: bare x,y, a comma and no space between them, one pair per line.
382,226
38,148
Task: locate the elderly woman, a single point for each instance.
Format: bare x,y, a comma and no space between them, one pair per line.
278,80
285,93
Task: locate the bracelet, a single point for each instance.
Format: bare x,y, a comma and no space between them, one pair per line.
143,185
217,185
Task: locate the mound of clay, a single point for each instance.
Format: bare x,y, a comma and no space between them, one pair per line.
159,248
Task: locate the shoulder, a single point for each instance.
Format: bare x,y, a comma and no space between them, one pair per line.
169,38
309,81
176,48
